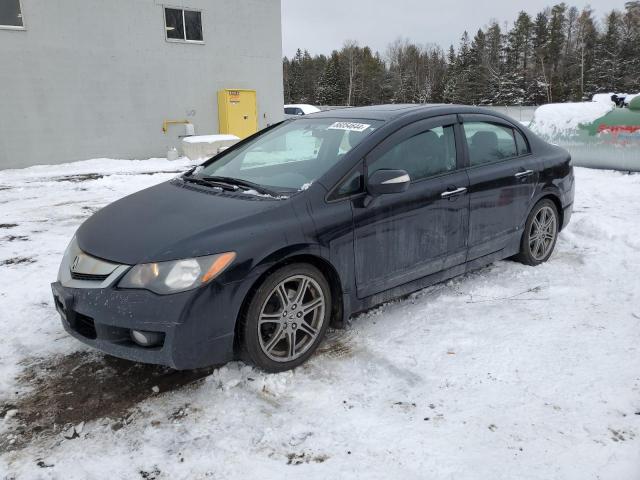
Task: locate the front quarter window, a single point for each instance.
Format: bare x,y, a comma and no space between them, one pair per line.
293,154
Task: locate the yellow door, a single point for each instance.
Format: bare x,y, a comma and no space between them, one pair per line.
238,112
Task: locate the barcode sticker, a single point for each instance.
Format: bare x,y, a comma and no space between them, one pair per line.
349,126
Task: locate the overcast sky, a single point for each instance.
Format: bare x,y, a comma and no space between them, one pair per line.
323,25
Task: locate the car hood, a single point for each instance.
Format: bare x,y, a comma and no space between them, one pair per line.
170,221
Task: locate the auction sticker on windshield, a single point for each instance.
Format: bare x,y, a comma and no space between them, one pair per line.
349,126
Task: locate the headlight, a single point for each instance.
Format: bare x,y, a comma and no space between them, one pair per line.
164,278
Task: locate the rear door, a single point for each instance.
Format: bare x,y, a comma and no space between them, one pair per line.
402,237
502,179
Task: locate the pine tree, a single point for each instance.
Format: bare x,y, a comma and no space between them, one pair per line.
561,54
329,90
606,72
478,77
629,56
450,84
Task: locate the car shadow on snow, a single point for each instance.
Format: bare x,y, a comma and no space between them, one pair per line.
80,387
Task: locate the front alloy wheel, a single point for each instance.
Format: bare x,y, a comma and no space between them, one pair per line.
287,318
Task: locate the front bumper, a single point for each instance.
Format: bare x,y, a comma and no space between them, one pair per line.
198,326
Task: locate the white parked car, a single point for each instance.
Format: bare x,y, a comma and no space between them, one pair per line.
298,110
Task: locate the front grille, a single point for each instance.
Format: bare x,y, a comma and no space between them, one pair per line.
88,277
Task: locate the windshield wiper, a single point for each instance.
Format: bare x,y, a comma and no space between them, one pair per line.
209,183
247,185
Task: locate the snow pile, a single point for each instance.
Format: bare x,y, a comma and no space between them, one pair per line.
510,372
604,98
210,138
204,147
558,121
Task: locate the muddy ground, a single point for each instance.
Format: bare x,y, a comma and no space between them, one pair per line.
80,387
67,391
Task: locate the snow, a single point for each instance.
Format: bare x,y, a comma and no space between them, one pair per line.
561,120
508,372
210,138
604,98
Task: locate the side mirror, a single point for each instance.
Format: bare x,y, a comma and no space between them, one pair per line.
383,182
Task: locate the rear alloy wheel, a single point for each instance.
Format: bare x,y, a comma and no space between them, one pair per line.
287,318
540,235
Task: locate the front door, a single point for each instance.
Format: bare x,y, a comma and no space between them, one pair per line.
502,180
402,237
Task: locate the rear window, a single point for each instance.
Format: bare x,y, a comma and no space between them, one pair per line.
489,142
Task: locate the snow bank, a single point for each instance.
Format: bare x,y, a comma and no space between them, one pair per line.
210,138
561,120
203,147
604,98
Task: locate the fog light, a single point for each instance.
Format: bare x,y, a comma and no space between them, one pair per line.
147,339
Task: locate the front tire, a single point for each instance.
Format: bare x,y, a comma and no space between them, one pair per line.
287,318
540,234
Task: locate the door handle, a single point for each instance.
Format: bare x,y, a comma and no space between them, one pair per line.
526,173
454,193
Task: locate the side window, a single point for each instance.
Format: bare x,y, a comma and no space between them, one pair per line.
489,142
11,14
523,146
424,155
290,111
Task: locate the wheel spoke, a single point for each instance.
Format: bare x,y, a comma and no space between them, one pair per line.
306,327
283,295
537,247
537,226
270,318
291,340
277,337
543,216
302,290
312,305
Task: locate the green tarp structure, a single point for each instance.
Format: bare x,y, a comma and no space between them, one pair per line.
618,122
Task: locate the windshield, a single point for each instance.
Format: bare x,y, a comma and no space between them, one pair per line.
293,155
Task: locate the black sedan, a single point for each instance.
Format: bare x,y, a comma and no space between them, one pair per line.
254,254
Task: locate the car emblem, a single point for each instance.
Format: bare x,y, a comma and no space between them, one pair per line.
75,263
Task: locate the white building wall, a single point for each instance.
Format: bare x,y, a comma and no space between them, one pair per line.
96,78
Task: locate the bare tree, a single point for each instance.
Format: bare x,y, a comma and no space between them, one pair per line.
351,52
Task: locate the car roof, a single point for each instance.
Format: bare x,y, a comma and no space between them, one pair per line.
390,112
378,112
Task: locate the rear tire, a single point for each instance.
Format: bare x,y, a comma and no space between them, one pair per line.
287,318
540,234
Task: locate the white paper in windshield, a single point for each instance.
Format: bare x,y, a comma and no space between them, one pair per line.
349,126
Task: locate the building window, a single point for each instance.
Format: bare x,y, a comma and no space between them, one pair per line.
11,14
183,25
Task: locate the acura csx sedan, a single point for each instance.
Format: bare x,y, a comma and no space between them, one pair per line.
255,253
